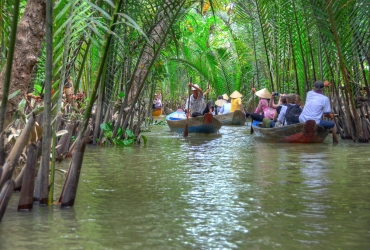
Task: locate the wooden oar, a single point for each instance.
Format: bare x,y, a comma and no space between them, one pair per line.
252,131
186,130
334,129
334,132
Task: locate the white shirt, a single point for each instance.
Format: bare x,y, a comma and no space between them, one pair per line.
281,117
225,109
196,105
316,105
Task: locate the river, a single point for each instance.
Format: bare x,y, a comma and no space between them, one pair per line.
224,191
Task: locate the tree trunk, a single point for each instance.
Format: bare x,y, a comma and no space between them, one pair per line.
5,194
64,142
26,197
17,150
69,191
150,51
30,35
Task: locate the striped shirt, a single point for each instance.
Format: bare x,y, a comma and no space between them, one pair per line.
196,105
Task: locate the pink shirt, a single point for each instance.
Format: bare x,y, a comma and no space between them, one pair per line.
263,106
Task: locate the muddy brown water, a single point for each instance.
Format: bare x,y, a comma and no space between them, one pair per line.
224,191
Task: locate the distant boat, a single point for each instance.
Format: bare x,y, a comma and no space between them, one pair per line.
234,118
201,124
157,111
308,132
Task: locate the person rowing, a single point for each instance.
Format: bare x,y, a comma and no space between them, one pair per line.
317,105
195,105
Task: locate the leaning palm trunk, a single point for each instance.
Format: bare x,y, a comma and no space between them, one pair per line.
68,195
26,197
150,52
5,194
17,150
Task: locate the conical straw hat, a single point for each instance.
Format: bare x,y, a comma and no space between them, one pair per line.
220,102
236,94
263,93
225,97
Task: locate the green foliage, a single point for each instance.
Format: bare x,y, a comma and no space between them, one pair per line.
14,94
107,129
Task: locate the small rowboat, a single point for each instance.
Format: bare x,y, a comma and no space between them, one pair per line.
157,111
308,132
206,124
234,118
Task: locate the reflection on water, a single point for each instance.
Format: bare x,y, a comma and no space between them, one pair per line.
224,191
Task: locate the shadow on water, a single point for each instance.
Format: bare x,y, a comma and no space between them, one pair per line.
224,191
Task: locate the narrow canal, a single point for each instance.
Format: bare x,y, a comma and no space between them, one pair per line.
224,191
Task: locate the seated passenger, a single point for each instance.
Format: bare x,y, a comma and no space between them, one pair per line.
236,102
263,109
218,104
299,101
317,105
226,108
279,105
289,114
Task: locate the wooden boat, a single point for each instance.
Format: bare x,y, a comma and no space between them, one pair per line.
206,124
234,118
307,132
157,111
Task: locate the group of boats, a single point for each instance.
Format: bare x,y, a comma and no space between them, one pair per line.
308,132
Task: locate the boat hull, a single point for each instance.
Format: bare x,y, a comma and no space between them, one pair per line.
235,118
307,132
195,124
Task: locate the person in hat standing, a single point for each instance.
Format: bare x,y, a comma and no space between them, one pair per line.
317,105
157,101
197,106
236,102
263,109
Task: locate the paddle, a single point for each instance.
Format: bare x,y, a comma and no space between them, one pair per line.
186,130
252,131
334,129
334,132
